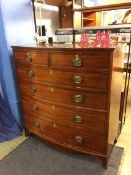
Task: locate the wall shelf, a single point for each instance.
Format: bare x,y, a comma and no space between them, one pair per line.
94,30
91,19
88,19
119,24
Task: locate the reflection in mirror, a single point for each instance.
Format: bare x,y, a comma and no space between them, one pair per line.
77,15
77,4
47,21
66,15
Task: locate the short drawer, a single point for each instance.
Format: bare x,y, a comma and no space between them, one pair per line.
90,98
93,121
66,135
31,57
81,60
85,79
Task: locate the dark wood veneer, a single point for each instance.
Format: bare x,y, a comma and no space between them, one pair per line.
89,60
89,79
93,121
37,57
66,135
95,99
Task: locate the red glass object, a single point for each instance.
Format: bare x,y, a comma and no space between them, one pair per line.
84,40
102,39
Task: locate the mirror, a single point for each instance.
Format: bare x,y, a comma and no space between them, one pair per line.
59,14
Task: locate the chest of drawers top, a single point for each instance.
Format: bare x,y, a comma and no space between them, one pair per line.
68,57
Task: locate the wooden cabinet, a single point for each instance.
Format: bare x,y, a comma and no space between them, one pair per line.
71,96
91,19
66,16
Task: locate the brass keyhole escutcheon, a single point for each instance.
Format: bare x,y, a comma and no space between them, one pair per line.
51,71
51,89
78,98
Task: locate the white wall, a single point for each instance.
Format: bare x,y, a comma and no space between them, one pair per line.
103,2
50,18
18,19
115,1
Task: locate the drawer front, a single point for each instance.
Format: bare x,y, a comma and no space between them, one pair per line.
81,60
85,79
67,135
93,121
89,99
31,57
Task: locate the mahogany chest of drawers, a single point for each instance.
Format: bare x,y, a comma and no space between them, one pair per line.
71,96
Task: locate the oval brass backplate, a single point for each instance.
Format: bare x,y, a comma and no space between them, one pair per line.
33,89
37,125
78,139
34,107
28,58
77,79
78,119
77,62
31,73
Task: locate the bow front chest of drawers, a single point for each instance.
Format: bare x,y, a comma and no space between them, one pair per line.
71,96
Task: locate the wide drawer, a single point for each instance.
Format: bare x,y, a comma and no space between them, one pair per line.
67,135
93,121
95,60
89,99
31,57
85,79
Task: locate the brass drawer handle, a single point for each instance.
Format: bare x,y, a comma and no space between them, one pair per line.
33,89
77,62
78,98
34,107
78,119
77,79
78,139
28,58
31,73
37,125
